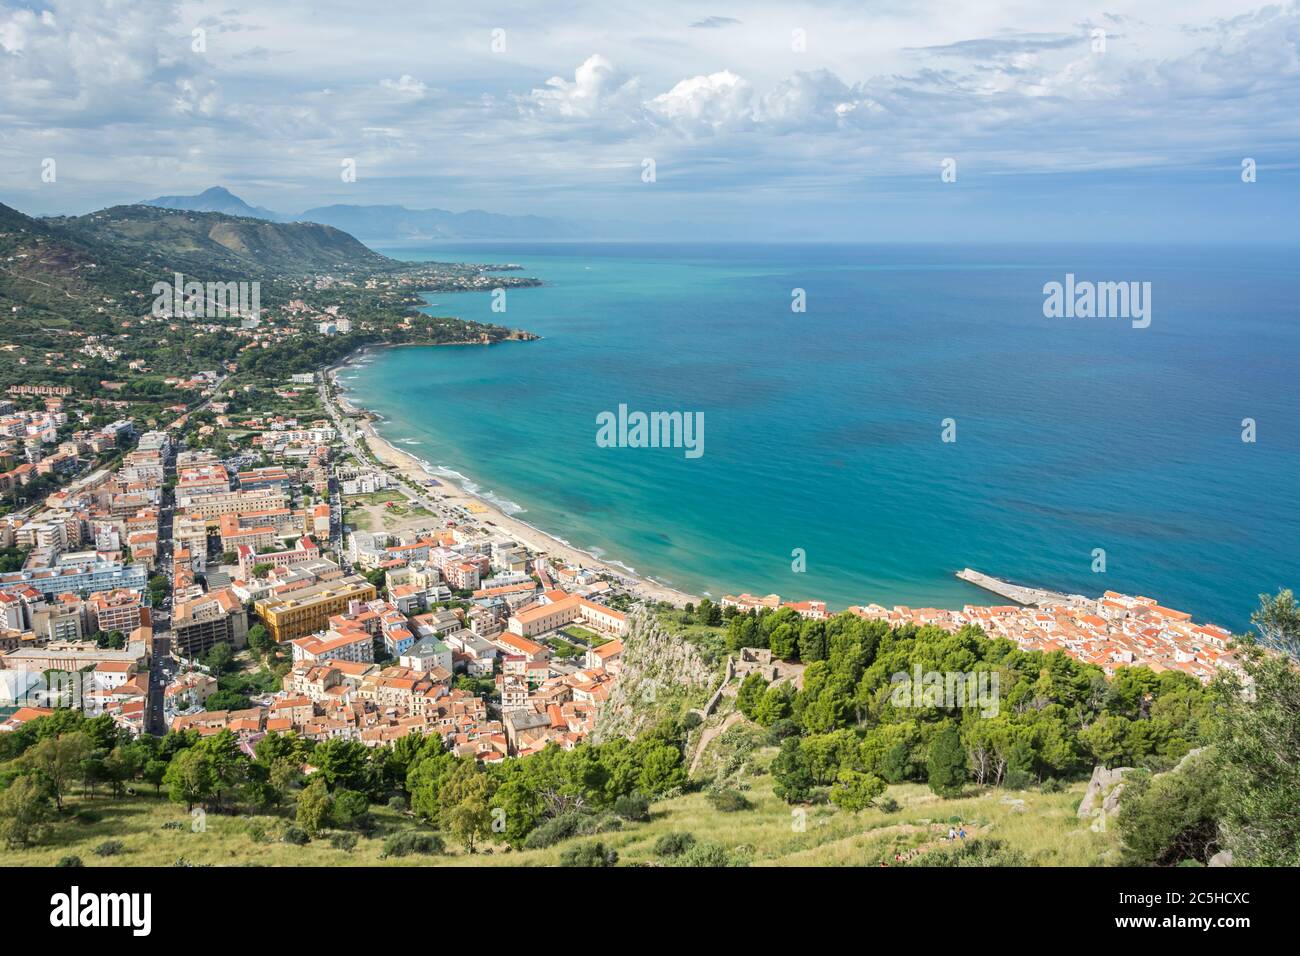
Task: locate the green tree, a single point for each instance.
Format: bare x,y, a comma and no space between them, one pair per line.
314,805
25,812
189,778
793,778
1258,747
1278,623
1172,817
750,693
58,761
467,808
946,767
854,790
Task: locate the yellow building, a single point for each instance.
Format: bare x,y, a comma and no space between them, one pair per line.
309,610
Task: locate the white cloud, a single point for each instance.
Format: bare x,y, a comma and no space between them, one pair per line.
596,87
407,85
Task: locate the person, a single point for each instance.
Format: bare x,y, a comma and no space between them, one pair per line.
962,833
952,834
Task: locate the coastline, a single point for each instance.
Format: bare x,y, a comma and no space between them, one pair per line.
451,495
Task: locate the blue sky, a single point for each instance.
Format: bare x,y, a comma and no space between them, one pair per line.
769,120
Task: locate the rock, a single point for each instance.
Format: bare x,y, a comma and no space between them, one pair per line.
1102,782
1222,858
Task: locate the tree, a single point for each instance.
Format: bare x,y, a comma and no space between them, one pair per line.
662,769
314,806
793,778
219,659
1278,623
946,768
467,808
854,790
1258,748
750,693
25,813
58,761
351,809
259,639
189,778
1171,817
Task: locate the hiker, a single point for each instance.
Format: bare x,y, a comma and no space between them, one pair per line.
962,833
952,834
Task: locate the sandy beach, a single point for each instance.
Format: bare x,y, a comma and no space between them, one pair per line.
452,502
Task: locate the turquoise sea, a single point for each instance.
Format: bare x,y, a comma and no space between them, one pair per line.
823,428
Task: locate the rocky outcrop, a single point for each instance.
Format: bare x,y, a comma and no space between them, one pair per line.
1107,787
660,675
1103,791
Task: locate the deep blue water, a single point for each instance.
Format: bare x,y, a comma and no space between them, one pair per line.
822,429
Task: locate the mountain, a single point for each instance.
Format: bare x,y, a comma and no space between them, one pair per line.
217,199
390,223
398,223
208,242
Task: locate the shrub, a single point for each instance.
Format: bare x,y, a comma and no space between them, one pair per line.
728,801
173,825
588,854
674,844
708,855
781,729
110,848
568,825
296,835
981,852
633,806
410,842
69,861
889,805
397,803
343,841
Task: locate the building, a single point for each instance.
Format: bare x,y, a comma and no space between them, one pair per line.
203,622
308,610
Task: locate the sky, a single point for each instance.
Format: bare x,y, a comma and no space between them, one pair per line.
1064,120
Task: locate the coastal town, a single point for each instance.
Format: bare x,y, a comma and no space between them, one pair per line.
380,600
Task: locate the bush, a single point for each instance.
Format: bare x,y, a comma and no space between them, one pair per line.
173,825
110,848
69,861
296,835
708,855
889,805
728,801
588,854
343,841
1052,785
568,825
633,806
410,842
397,803
674,844
781,729
982,852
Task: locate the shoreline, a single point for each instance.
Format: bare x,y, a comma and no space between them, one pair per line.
450,494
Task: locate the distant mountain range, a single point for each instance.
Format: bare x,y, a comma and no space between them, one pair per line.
391,223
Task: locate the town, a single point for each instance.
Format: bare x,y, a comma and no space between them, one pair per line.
375,609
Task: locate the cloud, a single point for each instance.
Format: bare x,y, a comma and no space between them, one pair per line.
704,104
715,23
596,87
407,85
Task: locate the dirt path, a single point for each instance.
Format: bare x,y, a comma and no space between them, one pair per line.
712,733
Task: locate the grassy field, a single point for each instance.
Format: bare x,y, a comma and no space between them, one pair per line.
767,834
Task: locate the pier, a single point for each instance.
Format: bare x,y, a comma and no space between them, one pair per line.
1015,592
